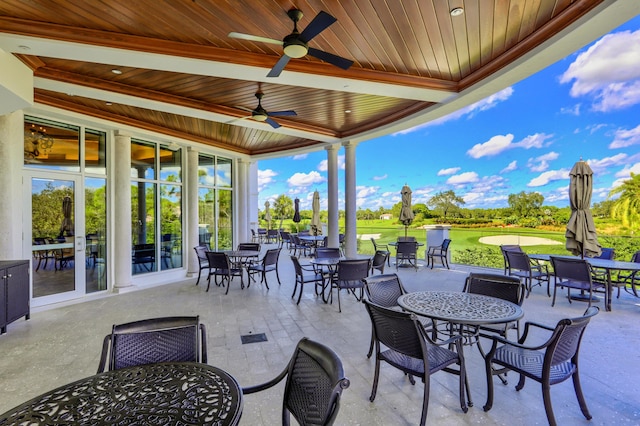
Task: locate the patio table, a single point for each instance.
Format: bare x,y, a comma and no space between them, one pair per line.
606,264
164,393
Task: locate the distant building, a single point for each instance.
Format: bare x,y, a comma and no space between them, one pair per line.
386,216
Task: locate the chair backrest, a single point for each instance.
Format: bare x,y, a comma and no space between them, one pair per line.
218,260
571,269
201,253
327,253
296,266
165,339
566,338
375,246
518,260
384,290
606,253
406,239
503,287
445,244
315,381
249,246
379,260
271,257
272,233
399,330
353,269
636,257
284,236
406,247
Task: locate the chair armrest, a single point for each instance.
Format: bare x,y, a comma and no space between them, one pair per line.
203,344
103,355
257,388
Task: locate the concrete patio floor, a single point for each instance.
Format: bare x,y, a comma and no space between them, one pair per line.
62,344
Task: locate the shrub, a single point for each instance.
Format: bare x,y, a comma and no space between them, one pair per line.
483,256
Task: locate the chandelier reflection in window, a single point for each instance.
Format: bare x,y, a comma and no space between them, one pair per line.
37,142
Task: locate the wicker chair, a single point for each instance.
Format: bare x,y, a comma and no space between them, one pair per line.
549,363
519,265
441,252
314,384
349,276
384,290
269,263
574,274
407,253
409,349
165,339
221,266
306,275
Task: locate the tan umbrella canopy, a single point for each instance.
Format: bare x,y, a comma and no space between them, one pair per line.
315,219
267,214
581,230
67,223
406,214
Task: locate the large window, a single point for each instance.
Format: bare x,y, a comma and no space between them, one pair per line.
156,207
215,202
51,145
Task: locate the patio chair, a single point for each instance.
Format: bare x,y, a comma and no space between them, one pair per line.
164,339
519,265
262,235
349,276
255,238
221,266
573,273
300,247
314,384
502,287
272,236
408,238
384,290
285,239
409,349
380,258
327,253
600,275
629,280
508,247
249,246
406,253
305,275
441,252
383,247
548,363
269,263
203,262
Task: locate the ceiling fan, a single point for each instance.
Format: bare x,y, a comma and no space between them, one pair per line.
262,115
296,44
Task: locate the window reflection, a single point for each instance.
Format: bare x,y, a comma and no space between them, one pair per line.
51,145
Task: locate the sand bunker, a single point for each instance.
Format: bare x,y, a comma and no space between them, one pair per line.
497,240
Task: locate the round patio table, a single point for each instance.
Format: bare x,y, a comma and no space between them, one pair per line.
164,393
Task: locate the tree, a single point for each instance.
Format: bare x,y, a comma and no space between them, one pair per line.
282,208
446,202
627,206
526,204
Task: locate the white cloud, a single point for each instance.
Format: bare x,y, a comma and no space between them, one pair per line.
463,178
602,165
323,166
449,171
541,163
470,111
510,167
626,172
608,72
300,157
549,176
574,110
383,177
305,179
500,143
624,138
265,177
363,193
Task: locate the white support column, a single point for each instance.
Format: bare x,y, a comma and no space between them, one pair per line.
350,231
192,236
242,199
122,212
11,209
332,193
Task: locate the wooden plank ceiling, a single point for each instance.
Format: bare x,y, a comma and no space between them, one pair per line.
188,78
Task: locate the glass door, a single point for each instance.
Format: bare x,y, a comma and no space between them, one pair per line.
57,236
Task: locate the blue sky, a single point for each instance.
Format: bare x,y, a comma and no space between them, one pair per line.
524,138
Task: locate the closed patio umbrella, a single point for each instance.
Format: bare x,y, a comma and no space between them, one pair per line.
67,223
315,219
581,230
296,213
406,214
267,214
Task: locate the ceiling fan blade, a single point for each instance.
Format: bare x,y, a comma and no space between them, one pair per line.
250,37
272,123
336,60
316,26
279,66
281,113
